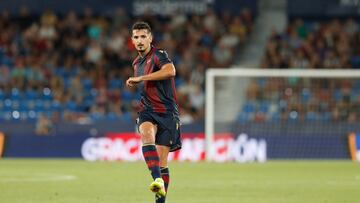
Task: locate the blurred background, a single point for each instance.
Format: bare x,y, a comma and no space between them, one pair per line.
63,65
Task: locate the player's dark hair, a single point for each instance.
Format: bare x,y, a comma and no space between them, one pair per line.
141,25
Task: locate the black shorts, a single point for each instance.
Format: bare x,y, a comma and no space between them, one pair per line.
168,128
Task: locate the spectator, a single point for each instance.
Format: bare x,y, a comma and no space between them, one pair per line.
43,125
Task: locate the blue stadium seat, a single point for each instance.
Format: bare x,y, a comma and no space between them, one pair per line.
24,105
15,94
111,116
137,95
126,117
6,60
93,92
67,82
312,116
261,82
55,106
179,81
86,104
264,107
249,107
71,106
47,113
283,104
357,85
115,84
96,117
337,95
325,116
31,94
87,84
127,96
274,116
2,95
39,105
7,105
32,115
243,117
305,95
355,61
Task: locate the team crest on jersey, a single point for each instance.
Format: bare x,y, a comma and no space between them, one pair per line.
163,52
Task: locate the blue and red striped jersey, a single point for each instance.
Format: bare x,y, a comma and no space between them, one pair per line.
160,95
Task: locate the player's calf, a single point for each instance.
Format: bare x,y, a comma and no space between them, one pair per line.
152,160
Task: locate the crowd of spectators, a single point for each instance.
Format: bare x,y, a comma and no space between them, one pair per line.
331,44
73,67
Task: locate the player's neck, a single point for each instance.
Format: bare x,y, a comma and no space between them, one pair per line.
142,54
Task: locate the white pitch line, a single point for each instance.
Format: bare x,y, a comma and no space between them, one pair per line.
39,178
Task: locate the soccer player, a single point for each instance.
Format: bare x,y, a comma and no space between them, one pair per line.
158,120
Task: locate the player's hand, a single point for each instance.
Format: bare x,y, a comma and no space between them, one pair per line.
133,81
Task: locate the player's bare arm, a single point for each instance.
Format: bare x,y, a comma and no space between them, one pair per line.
167,71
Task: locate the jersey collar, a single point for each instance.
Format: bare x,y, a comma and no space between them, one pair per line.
151,50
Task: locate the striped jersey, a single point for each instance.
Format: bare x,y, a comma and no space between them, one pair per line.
160,95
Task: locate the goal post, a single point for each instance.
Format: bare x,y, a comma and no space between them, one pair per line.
252,73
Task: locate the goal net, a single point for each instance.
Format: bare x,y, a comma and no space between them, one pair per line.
260,114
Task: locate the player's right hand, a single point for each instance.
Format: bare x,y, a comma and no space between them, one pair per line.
133,81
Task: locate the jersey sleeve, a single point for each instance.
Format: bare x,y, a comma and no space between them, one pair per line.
161,58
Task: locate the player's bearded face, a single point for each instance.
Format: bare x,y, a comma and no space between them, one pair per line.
141,39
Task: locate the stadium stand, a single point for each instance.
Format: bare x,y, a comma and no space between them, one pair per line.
73,67
330,44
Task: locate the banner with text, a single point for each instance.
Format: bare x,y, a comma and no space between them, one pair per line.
127,147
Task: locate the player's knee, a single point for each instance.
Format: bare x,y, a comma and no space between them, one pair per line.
148,140
147,132
147,136
147,128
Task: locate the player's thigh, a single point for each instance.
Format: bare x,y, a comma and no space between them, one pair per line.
163,152
147,131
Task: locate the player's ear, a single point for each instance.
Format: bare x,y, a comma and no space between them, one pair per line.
151,37
132,38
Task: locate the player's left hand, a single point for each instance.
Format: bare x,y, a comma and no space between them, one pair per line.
133,81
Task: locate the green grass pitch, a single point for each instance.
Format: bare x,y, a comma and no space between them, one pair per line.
77,181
